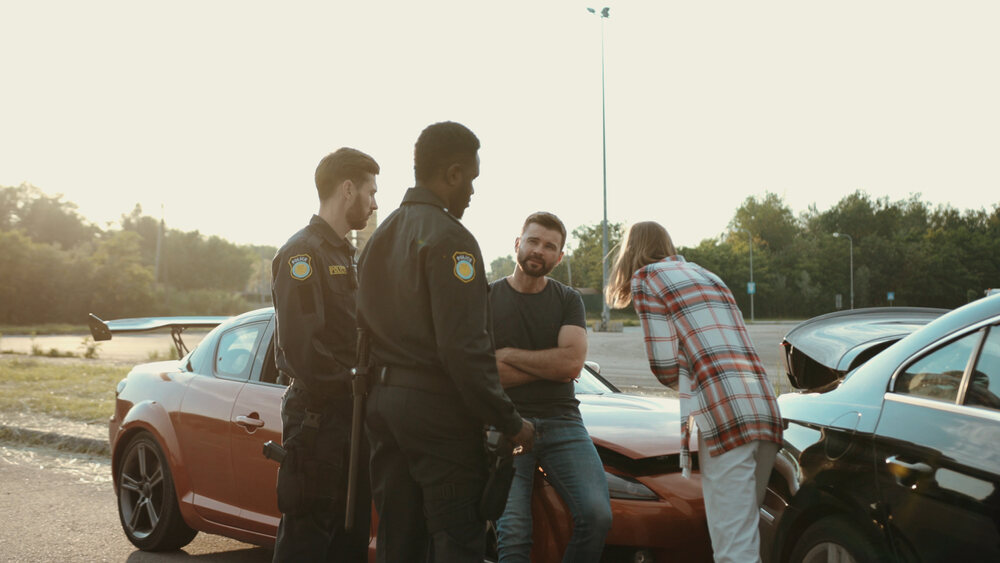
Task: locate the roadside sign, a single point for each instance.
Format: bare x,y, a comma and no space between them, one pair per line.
892,296
751,288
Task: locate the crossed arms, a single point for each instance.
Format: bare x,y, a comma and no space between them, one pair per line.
560,364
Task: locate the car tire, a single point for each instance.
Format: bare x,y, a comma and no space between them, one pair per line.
835,539
147,500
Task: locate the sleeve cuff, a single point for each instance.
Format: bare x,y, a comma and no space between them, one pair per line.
513,426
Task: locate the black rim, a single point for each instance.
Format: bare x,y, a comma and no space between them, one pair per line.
141,486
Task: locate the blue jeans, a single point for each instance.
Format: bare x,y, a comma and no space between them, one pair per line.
566,453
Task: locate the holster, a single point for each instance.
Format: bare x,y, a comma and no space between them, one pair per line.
500,456
299,476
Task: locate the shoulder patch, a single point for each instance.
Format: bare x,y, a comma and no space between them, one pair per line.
465,266
300,266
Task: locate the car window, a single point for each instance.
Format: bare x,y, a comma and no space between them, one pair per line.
939,374
199,358
233,358
984,386
269,371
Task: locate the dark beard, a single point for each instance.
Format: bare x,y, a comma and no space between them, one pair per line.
356,218
523,262
459,203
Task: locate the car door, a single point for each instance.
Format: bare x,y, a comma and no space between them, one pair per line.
938,451
204,422
259,402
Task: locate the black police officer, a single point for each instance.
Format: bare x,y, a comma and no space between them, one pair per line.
314,286
423,301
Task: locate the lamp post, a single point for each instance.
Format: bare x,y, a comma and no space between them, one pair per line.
851,241
750,238
605,313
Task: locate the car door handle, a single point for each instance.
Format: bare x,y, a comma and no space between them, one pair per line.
251,422
907,474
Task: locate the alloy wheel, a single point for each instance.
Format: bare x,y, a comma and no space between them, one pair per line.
141,497
828,552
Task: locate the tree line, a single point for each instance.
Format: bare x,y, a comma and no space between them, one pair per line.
916,254
55,266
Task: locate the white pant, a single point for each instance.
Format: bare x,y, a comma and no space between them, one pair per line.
733,485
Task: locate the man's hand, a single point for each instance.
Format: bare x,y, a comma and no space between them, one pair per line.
525,438
502,354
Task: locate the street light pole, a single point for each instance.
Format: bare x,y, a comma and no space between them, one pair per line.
605,313
851,241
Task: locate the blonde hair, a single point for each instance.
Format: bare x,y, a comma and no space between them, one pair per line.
644,243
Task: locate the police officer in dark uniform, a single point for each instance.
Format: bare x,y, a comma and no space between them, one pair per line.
314,287
423,301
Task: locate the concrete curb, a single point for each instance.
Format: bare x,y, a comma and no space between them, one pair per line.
62,442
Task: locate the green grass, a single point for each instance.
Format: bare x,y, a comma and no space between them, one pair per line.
44,329
76,390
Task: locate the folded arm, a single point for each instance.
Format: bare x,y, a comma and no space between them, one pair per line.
562,363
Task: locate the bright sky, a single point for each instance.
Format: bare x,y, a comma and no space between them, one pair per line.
220,110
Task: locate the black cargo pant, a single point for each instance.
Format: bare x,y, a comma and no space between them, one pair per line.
312,486
428,469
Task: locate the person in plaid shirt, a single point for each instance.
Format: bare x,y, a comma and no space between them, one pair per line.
697,344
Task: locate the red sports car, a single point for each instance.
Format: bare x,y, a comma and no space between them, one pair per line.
186,439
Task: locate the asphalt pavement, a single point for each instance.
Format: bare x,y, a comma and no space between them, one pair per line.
623,360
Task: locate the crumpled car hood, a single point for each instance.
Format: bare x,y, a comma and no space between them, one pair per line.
634,426
823,349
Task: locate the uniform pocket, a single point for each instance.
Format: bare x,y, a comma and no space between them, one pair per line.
296,487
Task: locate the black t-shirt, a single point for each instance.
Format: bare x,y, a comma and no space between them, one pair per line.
531,321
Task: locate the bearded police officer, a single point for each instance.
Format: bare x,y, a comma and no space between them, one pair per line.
423,300
314,285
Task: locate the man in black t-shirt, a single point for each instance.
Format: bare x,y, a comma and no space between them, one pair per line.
541,339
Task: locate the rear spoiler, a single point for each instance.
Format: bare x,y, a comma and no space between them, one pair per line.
102,330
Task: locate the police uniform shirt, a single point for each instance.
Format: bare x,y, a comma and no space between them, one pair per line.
314,286
423,298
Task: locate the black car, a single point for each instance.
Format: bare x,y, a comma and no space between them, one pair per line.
892,447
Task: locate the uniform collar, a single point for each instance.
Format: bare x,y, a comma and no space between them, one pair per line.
320,226
420,194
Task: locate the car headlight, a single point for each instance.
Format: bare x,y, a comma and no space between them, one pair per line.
623,487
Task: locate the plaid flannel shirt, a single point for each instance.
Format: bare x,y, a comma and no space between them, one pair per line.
697,343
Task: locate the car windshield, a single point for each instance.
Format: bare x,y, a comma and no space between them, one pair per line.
591,384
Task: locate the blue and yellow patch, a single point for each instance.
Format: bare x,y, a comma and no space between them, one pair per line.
300,266
465,266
